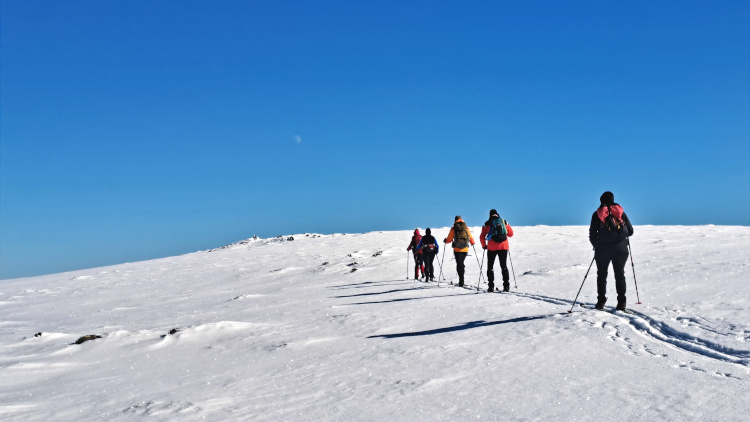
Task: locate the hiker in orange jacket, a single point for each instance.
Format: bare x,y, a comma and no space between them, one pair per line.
461,238
496,244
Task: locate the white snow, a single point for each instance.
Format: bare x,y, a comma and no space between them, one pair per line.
273,330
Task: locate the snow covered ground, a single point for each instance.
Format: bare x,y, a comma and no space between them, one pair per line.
328,328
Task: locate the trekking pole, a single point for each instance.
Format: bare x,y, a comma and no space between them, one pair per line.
407,265
481,276
634,281
511,268
441,265
584,280
480,269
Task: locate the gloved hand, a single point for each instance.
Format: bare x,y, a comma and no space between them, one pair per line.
484,247
445,240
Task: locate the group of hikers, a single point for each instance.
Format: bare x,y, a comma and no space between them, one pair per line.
608,233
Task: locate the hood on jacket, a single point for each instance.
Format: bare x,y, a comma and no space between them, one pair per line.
603,211
428,232
494,214
416,232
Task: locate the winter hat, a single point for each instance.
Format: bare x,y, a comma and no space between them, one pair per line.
428,231
607,198
458,217
416,232
493,213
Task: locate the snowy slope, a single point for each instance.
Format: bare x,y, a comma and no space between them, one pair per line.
273,330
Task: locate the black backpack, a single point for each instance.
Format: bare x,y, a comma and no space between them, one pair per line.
613,230
428,244
612,223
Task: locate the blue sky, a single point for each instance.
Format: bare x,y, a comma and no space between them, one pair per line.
135,130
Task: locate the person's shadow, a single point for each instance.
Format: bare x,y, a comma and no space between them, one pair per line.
466,326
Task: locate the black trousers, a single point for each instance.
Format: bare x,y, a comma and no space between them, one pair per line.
503,258
418,264
460,258
429,257
618,260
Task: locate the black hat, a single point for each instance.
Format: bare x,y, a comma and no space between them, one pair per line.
493,213
428,231
607,198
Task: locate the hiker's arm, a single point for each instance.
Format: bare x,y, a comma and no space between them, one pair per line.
627,223
594,230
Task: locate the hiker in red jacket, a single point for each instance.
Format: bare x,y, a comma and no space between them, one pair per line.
418,259
495,234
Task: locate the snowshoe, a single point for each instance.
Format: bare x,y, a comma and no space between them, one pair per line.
600,303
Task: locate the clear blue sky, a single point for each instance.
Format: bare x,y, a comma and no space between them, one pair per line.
138,129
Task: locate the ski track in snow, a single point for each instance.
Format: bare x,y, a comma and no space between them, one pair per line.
648,327
660,331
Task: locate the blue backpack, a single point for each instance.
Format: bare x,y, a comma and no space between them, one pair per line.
498,232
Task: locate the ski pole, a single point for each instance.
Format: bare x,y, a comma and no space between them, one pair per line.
584,280
407,265
441,265
437,258
480,269
481,276
634,281
511,268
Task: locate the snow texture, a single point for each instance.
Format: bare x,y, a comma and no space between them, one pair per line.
279,329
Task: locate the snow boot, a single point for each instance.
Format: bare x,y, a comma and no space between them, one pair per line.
600,303
506,286
491,287
620,304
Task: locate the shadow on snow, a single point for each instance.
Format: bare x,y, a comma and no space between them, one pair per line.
466,326
367,284
407,298
380,293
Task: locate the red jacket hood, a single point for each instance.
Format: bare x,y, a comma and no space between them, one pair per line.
603,212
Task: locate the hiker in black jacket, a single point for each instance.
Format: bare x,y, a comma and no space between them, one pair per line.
429,247
608,233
